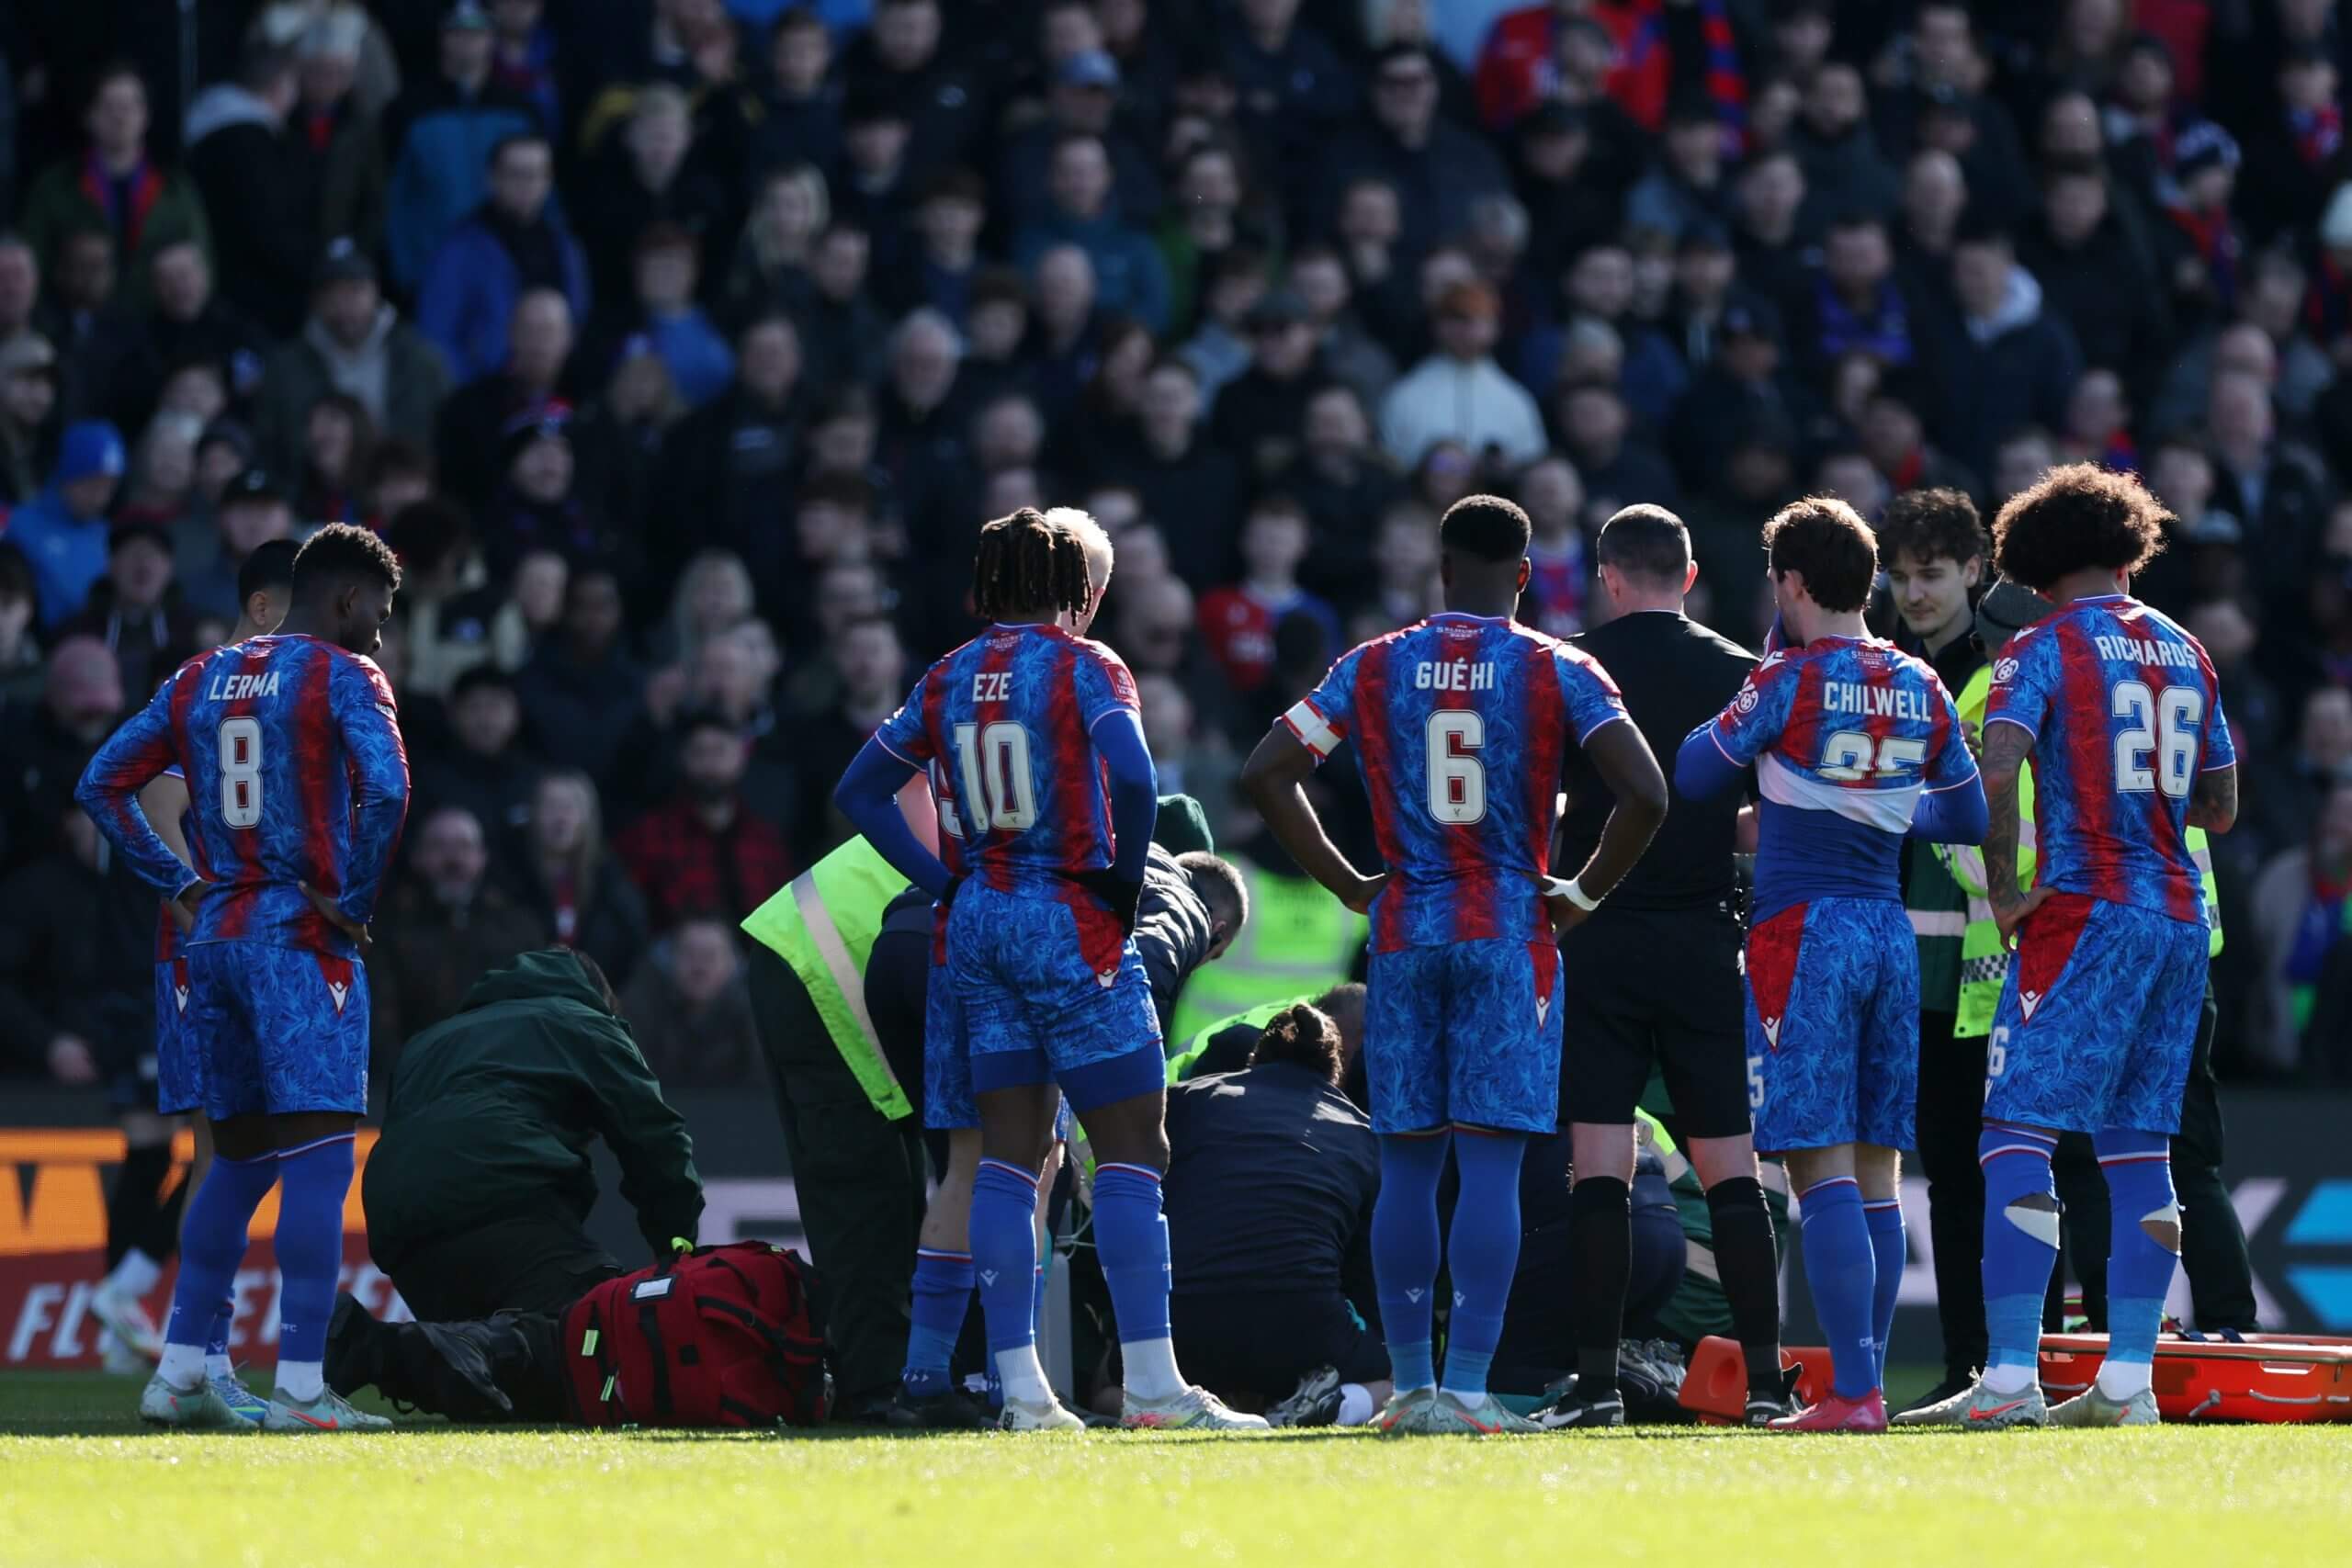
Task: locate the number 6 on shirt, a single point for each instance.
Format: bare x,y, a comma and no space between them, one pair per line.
1457,783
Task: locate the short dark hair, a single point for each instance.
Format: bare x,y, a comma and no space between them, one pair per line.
1305,1035
1932,525
339,553
1647,541
269,569
1485,527
1218,882
1826,540
2076,517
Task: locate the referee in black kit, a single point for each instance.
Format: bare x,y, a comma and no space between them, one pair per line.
1653,979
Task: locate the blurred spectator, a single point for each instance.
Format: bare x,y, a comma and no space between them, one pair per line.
1129,275
258,189
1205,221
2018,459
580,689
841,331
1559,582
2275,491
899,59
456,619
645,175
567,873
114,191
803,96
1998,357
2295,155
1288,84
135,610
1766,233
658,307
2206,248
1844,175
353,342
1617,466
1193,488
1743,381
1853,301
938,267
252,510
690,1010
789,209
338,456
1437,169
470,428
1238,620
1346,350
440,134
702,853
336,129
1261,413
872,662
513,242
1894,436
20,304
1079,100
1687,186
446,926
2096,275
28,407
62,532
81,276
162,474
47,748
2299,904
484,771
1459,393
617,440
541,505
728,467
122,368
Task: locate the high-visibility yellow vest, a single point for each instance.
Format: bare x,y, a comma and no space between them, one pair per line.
1298,942
1983,960
1179,1066
822,924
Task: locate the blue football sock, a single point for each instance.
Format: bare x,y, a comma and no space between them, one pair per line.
1482,1254
2145,1243
2020,1246
1037,1299
1889,1253
212,1243
317,1177
1842,1273
1132,1239
1405,1251
1004,1251
216,1340
943,1294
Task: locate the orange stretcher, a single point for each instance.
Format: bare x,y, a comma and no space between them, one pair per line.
2264,1377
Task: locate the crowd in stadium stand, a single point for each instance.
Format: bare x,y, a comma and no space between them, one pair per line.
680,349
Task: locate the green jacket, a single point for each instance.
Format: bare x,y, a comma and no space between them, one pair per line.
57,205
491,1113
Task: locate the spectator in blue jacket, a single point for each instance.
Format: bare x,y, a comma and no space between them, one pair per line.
440,134
1130,279
513,243
62,533
666,267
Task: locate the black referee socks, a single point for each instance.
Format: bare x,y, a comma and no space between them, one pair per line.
1600,1239
1750,1273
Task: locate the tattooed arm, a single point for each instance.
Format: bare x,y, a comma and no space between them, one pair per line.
2213,804
2006,746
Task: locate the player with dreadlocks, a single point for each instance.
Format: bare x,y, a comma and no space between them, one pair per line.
1033,742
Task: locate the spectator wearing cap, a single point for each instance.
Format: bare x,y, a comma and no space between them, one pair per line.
1685,184
62,532
439,134
1459,393
1079,100
1995,355
335,125
1745,377
513,241
660,306
135,609
1260,415
539,505
257,188
472,423
645,176
1129,275
443,927
41,751
2203,246
27,416
121,368
354,342
703,851
1438,169
2096,275
253,510
114,188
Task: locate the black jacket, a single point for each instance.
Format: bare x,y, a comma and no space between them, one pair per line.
77,953
492,1114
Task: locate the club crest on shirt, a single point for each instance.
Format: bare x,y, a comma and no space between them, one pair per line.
1746,700
2005,671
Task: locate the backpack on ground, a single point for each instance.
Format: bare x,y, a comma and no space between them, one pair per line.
728,1335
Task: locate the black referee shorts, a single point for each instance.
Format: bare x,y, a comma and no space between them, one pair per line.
1655,987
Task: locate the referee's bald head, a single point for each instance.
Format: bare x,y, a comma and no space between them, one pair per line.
1647,543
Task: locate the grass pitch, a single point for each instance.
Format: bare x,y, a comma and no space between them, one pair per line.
80,1484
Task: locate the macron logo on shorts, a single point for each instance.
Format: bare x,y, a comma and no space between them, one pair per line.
1106,978
2028,1001
1771,1031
